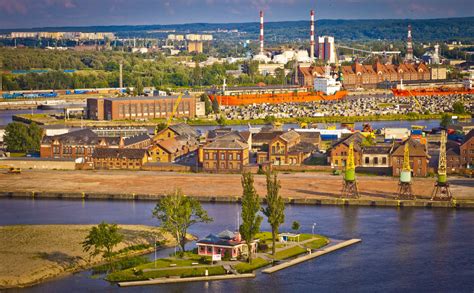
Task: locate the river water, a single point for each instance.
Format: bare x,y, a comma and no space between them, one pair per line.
402,250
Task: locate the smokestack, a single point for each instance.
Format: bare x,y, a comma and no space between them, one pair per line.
409,55
311,42
121,75
261,32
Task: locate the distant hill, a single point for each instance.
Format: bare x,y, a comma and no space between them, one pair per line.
386,29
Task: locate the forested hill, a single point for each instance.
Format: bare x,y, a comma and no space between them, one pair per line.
388,29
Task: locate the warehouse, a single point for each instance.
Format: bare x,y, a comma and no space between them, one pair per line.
140,108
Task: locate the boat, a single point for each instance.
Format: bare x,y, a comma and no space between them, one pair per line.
439,91
276,98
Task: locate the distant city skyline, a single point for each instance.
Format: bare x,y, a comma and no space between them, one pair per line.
51,13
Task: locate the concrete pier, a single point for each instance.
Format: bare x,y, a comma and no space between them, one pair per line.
310,256
184,280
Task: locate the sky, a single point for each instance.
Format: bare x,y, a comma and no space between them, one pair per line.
50,13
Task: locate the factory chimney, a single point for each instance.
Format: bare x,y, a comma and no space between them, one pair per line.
311,42
409,55
261,32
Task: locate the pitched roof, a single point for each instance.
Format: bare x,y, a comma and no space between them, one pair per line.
136,139
102,153
171,145
235,144
81,137
416,149
468,136
377,150
356,137
290,136
265,136
184,129
303,147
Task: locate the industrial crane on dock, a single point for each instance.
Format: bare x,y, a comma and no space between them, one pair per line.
442,190
349,185
404,186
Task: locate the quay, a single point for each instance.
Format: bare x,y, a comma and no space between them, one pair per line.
184,280
418,203
310,256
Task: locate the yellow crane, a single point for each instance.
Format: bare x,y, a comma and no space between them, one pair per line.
175,109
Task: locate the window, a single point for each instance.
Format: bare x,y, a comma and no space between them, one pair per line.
231,157
56,150
206,156
238,157
209,249
367,160
222,156
384,160
376,161
215,156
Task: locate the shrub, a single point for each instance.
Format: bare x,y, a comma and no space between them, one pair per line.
227,255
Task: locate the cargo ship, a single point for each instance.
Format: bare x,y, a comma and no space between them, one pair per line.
276,98
441,91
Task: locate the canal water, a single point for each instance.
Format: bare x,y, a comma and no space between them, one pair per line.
402,250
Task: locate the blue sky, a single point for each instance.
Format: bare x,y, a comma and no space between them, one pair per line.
41,13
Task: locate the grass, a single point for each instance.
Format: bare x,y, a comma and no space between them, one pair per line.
263,236
290,252
122,264
245,267
316,244
130,275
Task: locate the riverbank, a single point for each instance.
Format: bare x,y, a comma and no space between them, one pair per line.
30,254
47,120
299,188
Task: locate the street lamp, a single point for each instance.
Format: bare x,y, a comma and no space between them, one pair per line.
155,252
312,229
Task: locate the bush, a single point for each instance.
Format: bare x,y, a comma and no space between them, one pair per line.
227,255
263,247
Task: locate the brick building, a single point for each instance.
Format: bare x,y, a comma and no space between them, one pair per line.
453,157
81,144
228,153
467,151
112,158
418,158
137,108
337,153
289,148
367,76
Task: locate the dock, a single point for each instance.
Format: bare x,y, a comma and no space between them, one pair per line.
184,280
310,256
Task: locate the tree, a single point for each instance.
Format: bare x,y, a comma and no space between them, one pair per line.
177,213
458,108
445,121
295,226
250,207
139,88
207,104
275,210
19,137
102,240
215,106
160,126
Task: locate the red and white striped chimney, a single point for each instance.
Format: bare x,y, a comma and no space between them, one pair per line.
311,42
261,32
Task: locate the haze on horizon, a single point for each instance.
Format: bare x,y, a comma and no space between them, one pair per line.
51,13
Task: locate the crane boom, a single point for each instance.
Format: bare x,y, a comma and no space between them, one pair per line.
175,108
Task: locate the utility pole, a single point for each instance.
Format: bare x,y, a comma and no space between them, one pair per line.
121,75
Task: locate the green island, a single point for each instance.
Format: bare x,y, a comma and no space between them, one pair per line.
190,264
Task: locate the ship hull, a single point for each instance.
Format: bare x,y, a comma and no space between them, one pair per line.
297,97
432,92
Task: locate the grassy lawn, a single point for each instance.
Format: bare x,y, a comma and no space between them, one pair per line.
130,275
318,243
264,236
245,267
290,252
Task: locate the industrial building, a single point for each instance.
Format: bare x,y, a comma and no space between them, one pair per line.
326,49
141,108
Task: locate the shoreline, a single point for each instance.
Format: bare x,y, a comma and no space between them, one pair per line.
26,118
383,202
54,269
